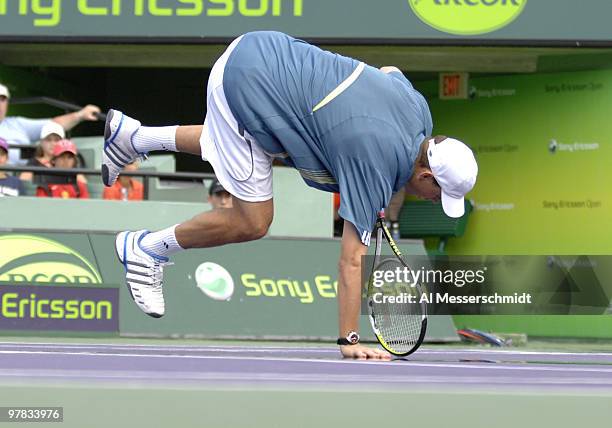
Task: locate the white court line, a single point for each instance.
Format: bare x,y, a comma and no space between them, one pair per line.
564,369
265,349
191,349
330,378
182,349
512,352
228,348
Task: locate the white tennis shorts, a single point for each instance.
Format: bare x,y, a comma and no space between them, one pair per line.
241,165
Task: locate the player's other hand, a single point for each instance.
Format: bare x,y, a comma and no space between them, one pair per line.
89,112
363,352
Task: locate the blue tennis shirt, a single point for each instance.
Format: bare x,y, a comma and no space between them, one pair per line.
345,126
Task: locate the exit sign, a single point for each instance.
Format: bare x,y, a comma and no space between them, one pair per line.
453,86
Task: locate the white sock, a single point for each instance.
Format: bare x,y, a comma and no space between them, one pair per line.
162,243
152,138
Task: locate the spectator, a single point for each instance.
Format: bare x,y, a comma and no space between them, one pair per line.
50,134
20,130
218,197
9,185
338,221
65,157
125,188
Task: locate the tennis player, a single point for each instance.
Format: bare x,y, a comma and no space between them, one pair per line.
345,126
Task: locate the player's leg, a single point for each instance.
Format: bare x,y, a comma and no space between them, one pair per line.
188,139
245,170
184,139
125,139
245,221
242,167
145,253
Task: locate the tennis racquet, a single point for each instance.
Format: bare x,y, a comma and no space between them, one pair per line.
399,327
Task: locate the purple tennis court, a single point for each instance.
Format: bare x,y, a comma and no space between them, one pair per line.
180,365
134,382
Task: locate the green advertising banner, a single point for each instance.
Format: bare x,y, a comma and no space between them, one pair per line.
272,288
544,144
54,307
356,20
53,284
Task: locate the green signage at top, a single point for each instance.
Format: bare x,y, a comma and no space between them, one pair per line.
50,13
541,21
468,17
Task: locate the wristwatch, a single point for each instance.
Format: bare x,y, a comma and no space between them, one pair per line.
352,338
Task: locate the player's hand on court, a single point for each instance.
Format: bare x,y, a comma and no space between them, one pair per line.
361,352
89,112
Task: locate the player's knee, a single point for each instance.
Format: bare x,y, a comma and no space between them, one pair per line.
252,221
260,228
259,233
251,234
252,230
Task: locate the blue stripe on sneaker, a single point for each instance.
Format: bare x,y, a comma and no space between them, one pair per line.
150,253
112,159
125,155
125,250
111,148
112,138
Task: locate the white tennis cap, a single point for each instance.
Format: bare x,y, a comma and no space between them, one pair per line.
455,169
4,92
50,128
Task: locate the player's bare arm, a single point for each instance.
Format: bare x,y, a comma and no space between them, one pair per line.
395,205
349,293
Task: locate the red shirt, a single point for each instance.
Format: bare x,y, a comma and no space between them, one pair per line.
65,191
135,191
336,201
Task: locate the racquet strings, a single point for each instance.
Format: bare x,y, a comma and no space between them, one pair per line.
399,325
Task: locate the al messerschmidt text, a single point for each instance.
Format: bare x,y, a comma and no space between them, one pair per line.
446,298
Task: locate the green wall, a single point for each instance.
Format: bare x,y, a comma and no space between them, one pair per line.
522,185
530,199
270,288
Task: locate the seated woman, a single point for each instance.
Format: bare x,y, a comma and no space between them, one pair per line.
63,186
50,134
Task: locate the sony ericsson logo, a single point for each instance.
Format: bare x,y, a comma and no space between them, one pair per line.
467,17
555,146
32,259
214,281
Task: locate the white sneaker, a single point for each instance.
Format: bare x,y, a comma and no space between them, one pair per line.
144,272
118,147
